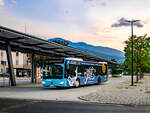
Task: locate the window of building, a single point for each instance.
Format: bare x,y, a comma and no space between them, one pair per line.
17,62
1,70
17,53
2,54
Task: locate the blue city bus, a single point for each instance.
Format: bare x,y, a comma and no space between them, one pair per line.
69,72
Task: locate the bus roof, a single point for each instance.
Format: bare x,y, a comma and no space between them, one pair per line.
81,62
76,59
102,62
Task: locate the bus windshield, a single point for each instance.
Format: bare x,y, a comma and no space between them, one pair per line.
53,71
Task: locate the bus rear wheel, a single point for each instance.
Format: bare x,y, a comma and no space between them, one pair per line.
77,84
99,81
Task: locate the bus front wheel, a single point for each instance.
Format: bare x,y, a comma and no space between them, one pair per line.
77,84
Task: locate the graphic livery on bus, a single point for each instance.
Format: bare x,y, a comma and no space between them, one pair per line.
70,72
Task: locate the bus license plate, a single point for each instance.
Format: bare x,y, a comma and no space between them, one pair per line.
52,86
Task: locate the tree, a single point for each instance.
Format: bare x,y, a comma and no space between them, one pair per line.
141,55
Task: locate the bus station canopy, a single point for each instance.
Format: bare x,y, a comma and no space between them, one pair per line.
26,43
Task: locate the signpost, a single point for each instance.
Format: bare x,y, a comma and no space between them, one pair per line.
132,22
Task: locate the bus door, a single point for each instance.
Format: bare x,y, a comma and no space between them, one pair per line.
81,70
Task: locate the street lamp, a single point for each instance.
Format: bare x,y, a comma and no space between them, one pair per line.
132,22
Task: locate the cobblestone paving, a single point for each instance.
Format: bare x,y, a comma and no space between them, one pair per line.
123,93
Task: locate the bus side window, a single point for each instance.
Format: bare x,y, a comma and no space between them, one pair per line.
86,68
81,70
98,70
101,73
70,71
95,70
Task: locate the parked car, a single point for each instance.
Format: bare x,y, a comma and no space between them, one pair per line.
1,74
4,74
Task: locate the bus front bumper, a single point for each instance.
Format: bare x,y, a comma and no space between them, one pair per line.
54,83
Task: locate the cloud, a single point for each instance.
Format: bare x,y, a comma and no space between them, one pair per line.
146,21
122,22
14,1
95,3
10,3
1,2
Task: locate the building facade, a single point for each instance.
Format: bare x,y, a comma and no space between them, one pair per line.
21,63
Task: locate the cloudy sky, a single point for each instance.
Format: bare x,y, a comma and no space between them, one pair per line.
97,22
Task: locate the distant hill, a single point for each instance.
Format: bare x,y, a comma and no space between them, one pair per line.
103,52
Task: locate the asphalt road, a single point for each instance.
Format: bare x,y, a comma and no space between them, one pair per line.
37,106
62,94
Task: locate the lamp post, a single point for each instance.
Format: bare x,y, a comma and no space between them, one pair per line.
132,22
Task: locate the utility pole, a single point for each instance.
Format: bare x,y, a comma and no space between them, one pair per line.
132,22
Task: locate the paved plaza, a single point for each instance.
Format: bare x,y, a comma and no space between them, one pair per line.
123,93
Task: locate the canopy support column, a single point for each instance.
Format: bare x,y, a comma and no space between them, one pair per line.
10,65
33,78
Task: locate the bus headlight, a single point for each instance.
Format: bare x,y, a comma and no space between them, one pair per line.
62,82
43,82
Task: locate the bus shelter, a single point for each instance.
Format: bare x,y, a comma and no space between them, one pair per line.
12,40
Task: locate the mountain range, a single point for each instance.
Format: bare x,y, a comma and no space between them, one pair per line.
103,52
